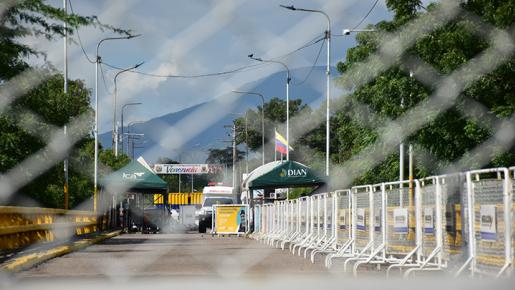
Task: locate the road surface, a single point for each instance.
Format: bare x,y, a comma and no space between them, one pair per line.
183,255
194,261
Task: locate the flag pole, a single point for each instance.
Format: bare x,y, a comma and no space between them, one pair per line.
275,148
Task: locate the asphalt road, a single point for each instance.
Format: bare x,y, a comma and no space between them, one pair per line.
193,261
179,255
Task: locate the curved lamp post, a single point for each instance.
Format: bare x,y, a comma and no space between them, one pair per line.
98,60
262,121
288,79
328,74
115,127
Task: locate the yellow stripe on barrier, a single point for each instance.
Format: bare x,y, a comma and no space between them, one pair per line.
194,198
23,226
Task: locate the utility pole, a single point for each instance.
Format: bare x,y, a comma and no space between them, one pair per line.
410,160
234,156
65,72
262,122
246,145
123,108
401,163
328,79
288,80
115,125
98,60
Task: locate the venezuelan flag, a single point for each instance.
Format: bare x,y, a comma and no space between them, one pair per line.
281,144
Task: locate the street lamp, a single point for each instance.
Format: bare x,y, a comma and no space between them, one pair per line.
123,108
97,62
262,122
115,127
348,31
328,74
288,79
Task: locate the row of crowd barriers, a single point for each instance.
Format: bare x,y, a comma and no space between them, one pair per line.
403,227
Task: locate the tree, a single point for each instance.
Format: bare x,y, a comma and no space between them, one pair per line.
29,121
224,156
34,17
275,117
453,133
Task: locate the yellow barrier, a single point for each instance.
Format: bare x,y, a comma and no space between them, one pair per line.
175,198
23,226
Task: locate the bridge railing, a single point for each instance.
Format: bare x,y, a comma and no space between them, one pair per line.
24,226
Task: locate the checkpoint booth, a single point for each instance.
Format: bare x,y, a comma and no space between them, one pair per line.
274,175
132,189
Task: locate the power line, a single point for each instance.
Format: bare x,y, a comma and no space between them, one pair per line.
362,19
242,68
103,79
366,15
312,67
314,41
232,71
78,37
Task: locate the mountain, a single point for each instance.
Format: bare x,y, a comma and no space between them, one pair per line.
159,142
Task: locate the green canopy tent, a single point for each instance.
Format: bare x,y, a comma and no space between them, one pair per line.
282,174
279,174
136,178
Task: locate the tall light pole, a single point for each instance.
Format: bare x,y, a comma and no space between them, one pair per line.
123,108
328,80
65,91
288,79
262,122
97,62
115,127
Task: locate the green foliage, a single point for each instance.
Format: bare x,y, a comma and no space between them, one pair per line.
404,10
224,156
452,134
299,192
27,125
275,118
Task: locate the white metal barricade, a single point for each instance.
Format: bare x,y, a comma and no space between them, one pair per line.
435,250
329,244
404,225
258,228
313,220
362,234
488,222
276,222
290,212
321,231
343,220
305,223
408,225
378,228
282,222
300,220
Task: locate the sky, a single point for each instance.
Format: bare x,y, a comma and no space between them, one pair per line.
198,37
